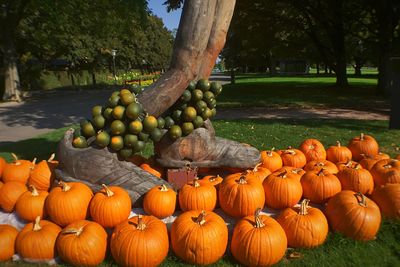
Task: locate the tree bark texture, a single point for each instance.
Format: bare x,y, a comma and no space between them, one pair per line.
11,77
394,122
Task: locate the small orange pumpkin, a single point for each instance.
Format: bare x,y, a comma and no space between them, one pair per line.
271,160
357,179
30,204
82,243
313,149
8,234
338,153
319,186
37,240
42,176
305,227
260,172
197,196
386,171
354,215
293,157
363,144
9,194
110,206
369,161
160,201
212,179
349,164
18,170
388,199
321,164
3,164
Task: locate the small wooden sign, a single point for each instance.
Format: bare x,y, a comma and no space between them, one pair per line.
179,177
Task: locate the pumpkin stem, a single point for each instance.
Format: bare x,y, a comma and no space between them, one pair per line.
163,188
338,144
361,199
297,170
36,225
320,164
283,174
387,166
257,219
52,156
33,190
196,182
140,225
362,136
65,186
212,179
304,206
108,190
321,172
290,151
201,219
269,153
357,166
72,231
15,157
242,179
34,161
256,167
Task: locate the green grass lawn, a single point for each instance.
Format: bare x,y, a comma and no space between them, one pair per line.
264,134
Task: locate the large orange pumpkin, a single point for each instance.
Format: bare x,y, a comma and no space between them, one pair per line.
68,202
363,145
258,240
321,164
140,241
271,160
9,194
82,243
8,234
293,157
338,153
354,215
18,170
240,194
3,164
319,186
196,196
282,190
357,179
388,199
160,201
305,227
110,206
30,204
199,237
386,171
37,240
313,150
42,176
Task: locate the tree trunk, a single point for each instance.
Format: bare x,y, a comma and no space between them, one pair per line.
394,122
11,77
93,78
317,68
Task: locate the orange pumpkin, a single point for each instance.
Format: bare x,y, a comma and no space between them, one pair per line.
321,164
354,215
349,164
397,157
199,237
294,158
82,243
299,171
9,194
212,179
388,199
271,160
3,164
386,171
369,161
305,227
1,184
110,206
30,204
42,176
313,150
260,172
258,240
18,170
68,202
36,241
282,190
160,201
319,186
357,179
155,170
8,234
196,196
338,153
363,144
240,194
140,241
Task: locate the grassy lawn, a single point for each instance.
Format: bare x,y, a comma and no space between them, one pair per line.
263,134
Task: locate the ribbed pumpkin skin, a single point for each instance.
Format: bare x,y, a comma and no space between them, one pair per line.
241,194
110,207
338,153
65,207
87,248
319,186
38,244
18,171
313,149
31,204
134,247
9,194
263,246
317,165
386,171
293,158
3,164
8,234
260,172
388,199
363,145
271,160
42,176
356,179
160,202
282,190
368,163
196,196
199,244
347,215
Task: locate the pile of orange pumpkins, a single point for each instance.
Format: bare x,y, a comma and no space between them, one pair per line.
346,188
